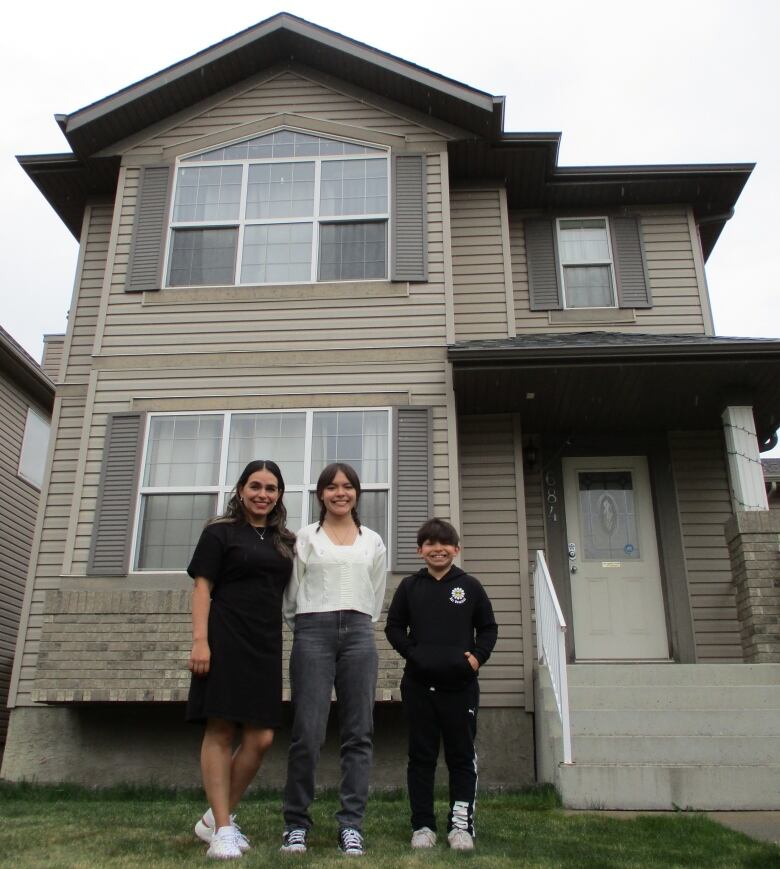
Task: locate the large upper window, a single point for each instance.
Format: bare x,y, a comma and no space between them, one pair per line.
192,461
585,256
35,445
286,207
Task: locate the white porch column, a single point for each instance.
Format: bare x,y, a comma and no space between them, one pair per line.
747,478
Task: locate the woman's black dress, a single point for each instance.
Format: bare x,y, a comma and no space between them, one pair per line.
244,682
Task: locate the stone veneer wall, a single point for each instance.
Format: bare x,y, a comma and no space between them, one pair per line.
753,539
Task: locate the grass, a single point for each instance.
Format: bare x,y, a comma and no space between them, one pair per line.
130,827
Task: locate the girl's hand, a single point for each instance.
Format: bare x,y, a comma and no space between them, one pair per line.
472,660
200,658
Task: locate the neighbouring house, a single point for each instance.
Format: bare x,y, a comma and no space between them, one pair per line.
772,478
295,245
27,393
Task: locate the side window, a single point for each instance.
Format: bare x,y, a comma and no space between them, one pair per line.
587,273
191,462
286,207
35,445
586,262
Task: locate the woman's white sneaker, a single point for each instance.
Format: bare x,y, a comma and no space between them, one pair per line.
204,830
224,844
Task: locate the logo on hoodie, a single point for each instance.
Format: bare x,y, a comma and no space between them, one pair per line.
458,595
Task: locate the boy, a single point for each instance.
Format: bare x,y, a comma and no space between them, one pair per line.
441,621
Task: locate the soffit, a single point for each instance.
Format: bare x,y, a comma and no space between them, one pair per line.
571,385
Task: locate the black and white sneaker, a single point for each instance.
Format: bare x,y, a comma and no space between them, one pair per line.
294,841
350,842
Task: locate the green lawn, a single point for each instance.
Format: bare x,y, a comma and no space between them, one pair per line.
72,827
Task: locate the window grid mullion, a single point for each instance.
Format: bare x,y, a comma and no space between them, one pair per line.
307,452
315,232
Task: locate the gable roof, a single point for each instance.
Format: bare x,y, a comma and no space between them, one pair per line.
525,162
281,39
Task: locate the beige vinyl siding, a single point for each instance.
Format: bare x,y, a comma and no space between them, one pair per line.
671,272
18,507
704,501
478,264
53,348
288,93
490,547
81,333
58,505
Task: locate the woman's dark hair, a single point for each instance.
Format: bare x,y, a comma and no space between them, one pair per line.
283,539
327,476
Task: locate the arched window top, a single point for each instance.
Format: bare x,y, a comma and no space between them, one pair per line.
284,144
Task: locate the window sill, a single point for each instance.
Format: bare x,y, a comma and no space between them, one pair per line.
592,316
277,292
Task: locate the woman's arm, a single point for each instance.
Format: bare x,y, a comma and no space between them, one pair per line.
379,578
200,657
291,589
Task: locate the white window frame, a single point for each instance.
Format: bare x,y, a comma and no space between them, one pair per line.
315,219
222,490
33,414
606,262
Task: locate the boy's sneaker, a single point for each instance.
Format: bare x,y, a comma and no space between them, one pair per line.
350,842
204,830
224,844
423,838
460,840
294,841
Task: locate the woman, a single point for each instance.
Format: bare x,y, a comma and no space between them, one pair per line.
335,594
241,566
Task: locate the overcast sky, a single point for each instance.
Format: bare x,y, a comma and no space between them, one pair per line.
689,81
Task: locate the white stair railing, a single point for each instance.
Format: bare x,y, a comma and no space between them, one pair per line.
551,645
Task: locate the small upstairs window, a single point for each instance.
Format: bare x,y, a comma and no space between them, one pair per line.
285,207
587,274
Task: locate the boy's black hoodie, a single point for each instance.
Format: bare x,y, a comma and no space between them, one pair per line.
432,623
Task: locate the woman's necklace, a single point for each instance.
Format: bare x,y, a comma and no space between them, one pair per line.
261,536
342,541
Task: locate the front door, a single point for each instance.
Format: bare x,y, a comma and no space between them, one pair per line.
617,603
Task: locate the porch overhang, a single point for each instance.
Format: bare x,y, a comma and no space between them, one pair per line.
599,382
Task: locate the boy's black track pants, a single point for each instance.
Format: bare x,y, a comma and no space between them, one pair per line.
434,716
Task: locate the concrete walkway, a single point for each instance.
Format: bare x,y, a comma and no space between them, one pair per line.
763,825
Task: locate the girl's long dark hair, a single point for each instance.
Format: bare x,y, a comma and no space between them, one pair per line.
283,538
327,476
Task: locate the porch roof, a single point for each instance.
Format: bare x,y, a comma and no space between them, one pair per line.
603,382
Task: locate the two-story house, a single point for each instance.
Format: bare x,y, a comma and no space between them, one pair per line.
27,393
294,245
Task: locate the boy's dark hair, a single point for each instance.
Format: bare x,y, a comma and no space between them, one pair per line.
438,531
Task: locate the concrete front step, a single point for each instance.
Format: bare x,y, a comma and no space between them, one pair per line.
636,697
750,750
669,786
715,675
676,722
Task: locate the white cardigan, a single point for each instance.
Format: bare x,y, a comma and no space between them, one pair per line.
327,577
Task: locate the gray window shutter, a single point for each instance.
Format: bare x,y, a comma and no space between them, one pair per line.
543,284
413,489
409,256
110,548
630,268
144,267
